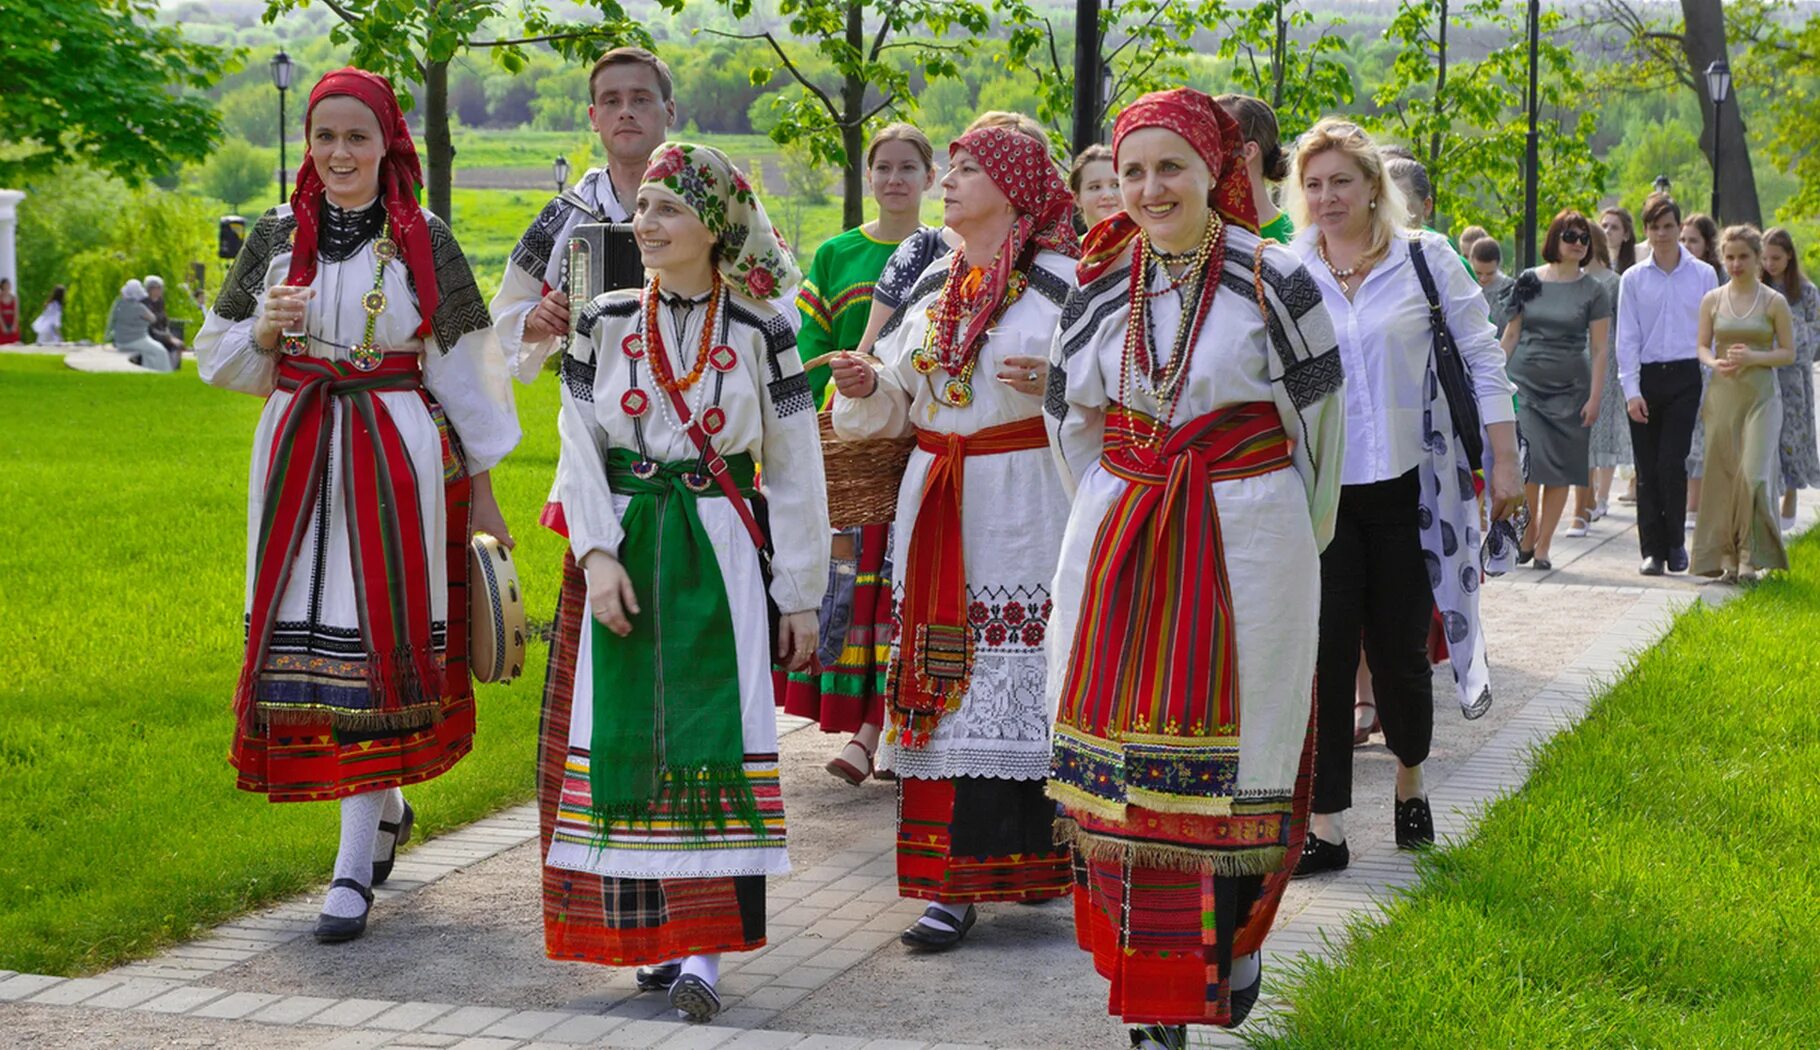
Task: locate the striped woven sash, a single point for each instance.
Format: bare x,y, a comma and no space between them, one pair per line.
1150,709
385,537
934,665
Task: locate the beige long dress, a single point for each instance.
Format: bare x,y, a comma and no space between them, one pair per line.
1737,527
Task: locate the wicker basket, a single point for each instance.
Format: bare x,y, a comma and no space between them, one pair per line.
863,476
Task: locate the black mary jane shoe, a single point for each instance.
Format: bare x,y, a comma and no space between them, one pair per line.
1415,824
695,997
1319,855
1243,999
926,938
334,929
657,978
401,834
1167,1036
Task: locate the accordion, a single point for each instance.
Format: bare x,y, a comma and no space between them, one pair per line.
600,257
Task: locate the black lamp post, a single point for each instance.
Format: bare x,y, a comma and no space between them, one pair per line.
560,169
1718,89
1087,74
282,68
1532,149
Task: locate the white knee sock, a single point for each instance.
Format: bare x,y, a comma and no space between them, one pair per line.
359,823
956,912
1245,970
706,967
392,812
1328,827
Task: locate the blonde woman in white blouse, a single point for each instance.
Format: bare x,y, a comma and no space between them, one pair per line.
1407,538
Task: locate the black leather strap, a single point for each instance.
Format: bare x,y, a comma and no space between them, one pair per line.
365,892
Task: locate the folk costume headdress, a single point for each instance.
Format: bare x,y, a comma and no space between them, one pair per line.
1215,138
750,255
932,670
399,176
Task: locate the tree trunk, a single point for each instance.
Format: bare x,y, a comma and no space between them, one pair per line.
853,127
1703,42
1434,144
436,141
1279,56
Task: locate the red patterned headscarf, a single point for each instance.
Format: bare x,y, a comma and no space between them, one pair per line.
1213,135
399,177
1021,168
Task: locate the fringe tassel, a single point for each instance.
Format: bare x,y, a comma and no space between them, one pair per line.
696,799
1074,798
1262,860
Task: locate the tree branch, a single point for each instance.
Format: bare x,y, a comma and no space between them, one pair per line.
884,29
880,108
549,38
1133,35
343,13
827,103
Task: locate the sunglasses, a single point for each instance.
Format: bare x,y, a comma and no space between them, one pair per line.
1575,237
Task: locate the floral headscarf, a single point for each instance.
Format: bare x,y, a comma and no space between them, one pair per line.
753,256
399,175
1212,134
1022,170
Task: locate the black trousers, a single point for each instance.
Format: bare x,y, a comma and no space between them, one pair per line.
1374,582
1671,391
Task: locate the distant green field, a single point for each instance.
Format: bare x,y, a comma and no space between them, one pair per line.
124,503
536,150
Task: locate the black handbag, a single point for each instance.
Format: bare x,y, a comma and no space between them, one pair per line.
1450,369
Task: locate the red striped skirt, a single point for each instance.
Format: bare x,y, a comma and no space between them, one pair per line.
851,694
615,921
998,846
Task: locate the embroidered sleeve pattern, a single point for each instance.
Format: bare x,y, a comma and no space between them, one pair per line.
533,251
239,295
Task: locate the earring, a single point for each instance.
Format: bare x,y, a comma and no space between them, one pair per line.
1374,205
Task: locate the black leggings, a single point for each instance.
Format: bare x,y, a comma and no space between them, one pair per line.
1374,582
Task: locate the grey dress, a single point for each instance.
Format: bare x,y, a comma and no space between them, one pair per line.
1799,453
1610,441
1554,375
129,329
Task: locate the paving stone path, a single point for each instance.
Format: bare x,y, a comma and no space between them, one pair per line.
453,957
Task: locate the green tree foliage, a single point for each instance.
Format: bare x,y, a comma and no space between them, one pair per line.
1466,120
250,112
91,232
96,82
1785,52
238,172
1278,55
872,47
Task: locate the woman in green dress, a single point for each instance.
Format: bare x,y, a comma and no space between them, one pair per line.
1560,320
1746,333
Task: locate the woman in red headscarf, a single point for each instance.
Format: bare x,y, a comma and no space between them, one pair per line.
980,512
352,312
1195,398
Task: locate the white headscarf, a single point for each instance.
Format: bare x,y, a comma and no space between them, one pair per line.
153,281
133,290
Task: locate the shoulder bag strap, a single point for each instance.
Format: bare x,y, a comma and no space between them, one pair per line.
717,469
1450,366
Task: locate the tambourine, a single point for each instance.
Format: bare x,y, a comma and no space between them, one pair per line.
496,612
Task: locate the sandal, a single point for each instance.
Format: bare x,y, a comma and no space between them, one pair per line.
1362,735
1577,527
924,937
401,834
848,771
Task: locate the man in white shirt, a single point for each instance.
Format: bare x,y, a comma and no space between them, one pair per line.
1659,369
631,107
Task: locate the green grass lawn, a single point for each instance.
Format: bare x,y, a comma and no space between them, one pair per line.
123,504
1654,885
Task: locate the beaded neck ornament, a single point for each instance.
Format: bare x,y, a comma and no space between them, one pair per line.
961,299
1165,381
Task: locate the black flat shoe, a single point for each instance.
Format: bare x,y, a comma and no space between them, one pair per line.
1677,560
1319,855
401,834
1542,565
1650,567
334,929
1167,1036
1243,999
695,997
1524,556
1415,824
657,978
926,938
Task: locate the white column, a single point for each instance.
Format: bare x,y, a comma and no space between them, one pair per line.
9,262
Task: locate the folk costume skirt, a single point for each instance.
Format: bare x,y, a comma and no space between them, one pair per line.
654,892
849,689
311,727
